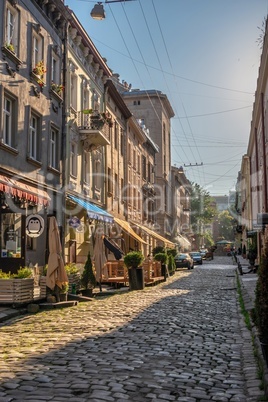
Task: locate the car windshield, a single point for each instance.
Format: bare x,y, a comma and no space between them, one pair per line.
195,254
182,256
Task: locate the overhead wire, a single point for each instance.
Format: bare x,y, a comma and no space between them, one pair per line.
172,69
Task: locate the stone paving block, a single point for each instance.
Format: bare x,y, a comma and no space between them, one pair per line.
182,338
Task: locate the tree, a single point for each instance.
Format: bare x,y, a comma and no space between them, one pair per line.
88,279
226,225
202,210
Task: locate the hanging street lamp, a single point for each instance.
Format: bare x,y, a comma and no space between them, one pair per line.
98,12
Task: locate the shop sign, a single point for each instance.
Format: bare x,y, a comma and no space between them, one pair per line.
34,225
74,222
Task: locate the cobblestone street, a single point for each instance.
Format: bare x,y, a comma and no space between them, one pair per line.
184,340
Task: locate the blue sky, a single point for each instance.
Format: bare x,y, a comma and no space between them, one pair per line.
204,55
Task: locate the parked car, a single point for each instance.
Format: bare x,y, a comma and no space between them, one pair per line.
203,253
184,260
197,257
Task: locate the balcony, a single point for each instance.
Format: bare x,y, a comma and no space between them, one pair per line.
94,130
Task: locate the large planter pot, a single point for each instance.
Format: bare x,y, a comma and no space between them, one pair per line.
16,291
136,278
43,287
63,296
264,348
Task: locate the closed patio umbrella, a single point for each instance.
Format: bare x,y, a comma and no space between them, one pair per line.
99,259
56,274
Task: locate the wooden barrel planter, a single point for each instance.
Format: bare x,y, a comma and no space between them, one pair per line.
16,291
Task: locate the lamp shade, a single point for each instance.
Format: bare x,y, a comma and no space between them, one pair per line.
97,13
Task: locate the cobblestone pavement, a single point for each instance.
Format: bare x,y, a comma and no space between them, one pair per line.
183,340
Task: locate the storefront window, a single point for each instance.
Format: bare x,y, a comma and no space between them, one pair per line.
11,235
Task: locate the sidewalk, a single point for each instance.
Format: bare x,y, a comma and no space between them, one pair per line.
248,281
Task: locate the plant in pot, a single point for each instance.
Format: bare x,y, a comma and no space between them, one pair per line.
163,258
133,261
64,291
261,303
252,254
88,278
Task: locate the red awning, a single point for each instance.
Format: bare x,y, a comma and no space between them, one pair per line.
23,191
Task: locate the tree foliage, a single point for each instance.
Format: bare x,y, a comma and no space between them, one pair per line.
202,210
226,225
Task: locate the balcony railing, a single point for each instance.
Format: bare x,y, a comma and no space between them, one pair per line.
94,129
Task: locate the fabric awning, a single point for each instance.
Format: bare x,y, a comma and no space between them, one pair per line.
23,191
157,236
185,242
93,211
128,229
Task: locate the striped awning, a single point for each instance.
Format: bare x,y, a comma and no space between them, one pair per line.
23,191
93,210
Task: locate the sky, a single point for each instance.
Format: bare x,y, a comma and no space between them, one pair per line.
204,55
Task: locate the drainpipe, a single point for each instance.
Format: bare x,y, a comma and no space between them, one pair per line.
257,167
264,153
64,138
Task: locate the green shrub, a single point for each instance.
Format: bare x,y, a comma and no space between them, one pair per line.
158,249
171,264
261,299
71,268
24,272
172,251
88,279
5,275
162,257
133,259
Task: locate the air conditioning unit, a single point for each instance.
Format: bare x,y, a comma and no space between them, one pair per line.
262,219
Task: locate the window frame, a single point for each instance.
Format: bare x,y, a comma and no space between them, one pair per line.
13,121
12,37
37,51
73,159
36,141
54,148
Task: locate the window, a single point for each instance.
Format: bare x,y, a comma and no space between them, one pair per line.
35,137
9,121
11,239
73,160
116,135
73,91
122,141
110,181
144,167
116,190
55,69
12,24
37,51
86,165
54,149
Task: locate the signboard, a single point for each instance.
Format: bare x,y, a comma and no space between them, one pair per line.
34,225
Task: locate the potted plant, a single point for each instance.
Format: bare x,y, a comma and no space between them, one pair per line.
74,276
39,69
17,288
163,258
58,88
64,291
10,47
261,303
252,254
88,278
133,261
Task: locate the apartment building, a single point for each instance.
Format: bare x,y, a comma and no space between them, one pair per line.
154,111
31,123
